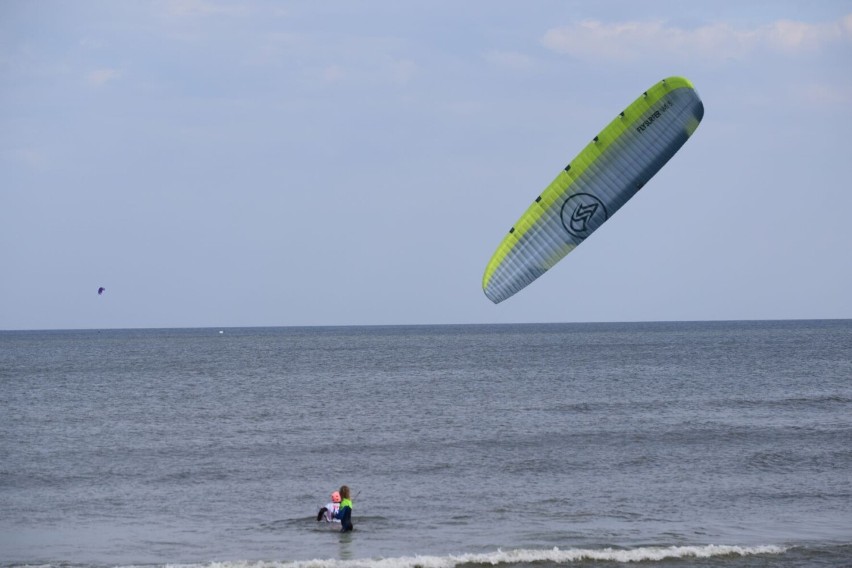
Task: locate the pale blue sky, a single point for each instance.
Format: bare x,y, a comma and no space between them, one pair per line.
336,163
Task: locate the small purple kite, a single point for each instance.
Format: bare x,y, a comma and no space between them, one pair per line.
101,290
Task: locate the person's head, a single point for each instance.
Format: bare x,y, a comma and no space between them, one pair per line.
335,497
344,491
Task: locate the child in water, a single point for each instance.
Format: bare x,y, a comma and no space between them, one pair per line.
344,513
329,512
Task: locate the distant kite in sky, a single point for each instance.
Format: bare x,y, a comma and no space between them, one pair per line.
101,290
608,172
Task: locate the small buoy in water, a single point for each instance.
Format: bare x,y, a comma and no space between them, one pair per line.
220,331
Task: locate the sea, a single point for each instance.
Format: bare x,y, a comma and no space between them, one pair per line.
671,444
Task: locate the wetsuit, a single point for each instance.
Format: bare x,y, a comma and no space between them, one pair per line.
345,515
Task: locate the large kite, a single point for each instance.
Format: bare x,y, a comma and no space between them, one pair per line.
602,178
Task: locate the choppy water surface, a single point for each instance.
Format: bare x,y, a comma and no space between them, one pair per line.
684,444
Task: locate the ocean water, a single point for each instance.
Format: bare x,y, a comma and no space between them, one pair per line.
668,444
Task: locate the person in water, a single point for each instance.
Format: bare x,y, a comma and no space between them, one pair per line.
344,513
328,512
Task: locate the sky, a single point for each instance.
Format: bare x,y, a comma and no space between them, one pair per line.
218,164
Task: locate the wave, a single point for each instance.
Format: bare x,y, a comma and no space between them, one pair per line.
520,556
801,402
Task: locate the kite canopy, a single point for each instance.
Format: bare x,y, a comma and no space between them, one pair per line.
101,290
602,178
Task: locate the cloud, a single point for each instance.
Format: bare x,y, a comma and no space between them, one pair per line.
511,60
29,157
629,41
825,95
100,77
402,70
333,74
184,8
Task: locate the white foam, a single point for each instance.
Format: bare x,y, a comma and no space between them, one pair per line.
643,554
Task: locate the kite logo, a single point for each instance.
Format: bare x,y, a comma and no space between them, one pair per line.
654,116
582,213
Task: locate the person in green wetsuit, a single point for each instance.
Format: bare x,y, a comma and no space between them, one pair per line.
344,513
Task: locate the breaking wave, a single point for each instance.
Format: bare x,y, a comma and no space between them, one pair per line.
521,556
